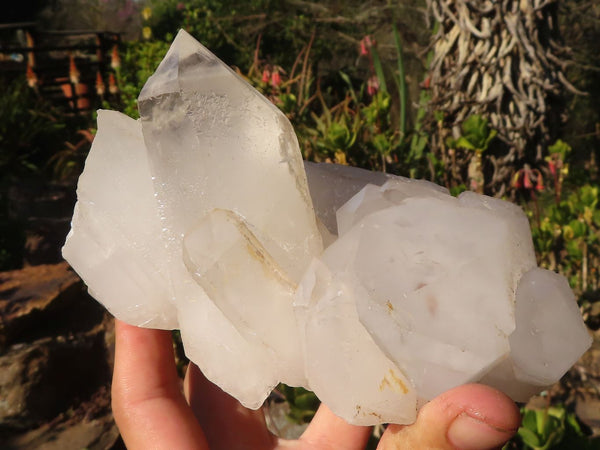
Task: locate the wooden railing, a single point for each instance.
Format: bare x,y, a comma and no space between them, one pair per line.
75,69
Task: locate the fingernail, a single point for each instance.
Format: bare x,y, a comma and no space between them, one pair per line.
468,433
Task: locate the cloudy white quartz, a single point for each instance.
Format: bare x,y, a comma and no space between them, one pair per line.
374,291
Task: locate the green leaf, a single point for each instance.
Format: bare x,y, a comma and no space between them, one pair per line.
451,142
579,228
560,147
307,401
529,437
541,421
574,248
589,196
418,143
381,144
476,135
455,191
596,218
401,81
463,142
347,80
573,424
529,419
378,69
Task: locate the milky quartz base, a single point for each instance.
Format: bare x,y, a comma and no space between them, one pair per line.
374,291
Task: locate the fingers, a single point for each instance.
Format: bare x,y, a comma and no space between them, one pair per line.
470,417
151,412
148,406
328,431
226,423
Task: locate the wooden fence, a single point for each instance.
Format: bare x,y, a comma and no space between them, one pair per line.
74,69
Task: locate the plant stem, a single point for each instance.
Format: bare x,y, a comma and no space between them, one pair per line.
537,209
401,82
378,69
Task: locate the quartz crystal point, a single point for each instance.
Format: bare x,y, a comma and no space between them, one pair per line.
375,291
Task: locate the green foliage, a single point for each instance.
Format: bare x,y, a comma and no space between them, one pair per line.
28,130
338,118
553,427
67,163
29,133
334,136
347,125
359,133
476,135
402,93
359,130
232,29
303,404
420,139
561,149
567,237
140,59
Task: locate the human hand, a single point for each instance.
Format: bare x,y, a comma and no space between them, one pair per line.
152,412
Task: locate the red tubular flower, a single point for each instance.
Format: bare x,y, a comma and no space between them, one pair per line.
527,184
372,85
275,78
363,48
539,185
266,76
365,45
552,167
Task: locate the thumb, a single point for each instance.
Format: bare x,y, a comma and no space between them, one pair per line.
469,417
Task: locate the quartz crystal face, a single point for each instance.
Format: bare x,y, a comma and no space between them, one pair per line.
376,292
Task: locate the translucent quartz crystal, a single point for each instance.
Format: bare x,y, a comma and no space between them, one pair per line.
374,291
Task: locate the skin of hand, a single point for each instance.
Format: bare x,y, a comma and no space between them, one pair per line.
152,412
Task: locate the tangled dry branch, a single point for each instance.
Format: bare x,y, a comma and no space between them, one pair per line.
503,60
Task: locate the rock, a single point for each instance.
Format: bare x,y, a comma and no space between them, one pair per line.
207,225
45,300
40,380
55,361
44,212
88,426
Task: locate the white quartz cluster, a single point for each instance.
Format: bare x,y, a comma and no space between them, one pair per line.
376,292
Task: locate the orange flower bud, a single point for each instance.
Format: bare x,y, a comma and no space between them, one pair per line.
73,71
100,87
115,59
112,84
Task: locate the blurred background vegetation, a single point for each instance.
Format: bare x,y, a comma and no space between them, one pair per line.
385,85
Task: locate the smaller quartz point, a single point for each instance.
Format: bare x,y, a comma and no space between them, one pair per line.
332,185
547,339
376,292
116,220
345,367
244,281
